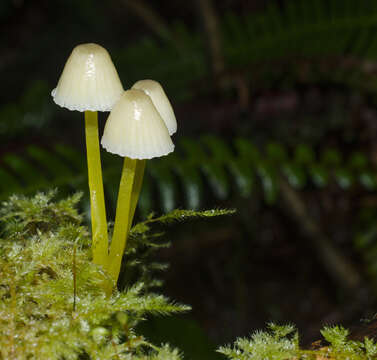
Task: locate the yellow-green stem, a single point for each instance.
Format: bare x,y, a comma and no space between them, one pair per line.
139,175
97,199
123,217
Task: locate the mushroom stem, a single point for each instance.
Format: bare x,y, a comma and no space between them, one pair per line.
138,182
128,196
97,199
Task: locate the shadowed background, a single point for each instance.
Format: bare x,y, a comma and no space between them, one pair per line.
276,108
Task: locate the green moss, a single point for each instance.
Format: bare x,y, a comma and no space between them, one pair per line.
52,299
281,342
43,246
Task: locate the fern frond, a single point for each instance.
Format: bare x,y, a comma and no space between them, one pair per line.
179,215
210,163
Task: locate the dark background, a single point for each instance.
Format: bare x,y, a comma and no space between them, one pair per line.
276,110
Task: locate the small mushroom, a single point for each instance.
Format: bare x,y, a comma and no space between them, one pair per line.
155,91
90,83
135,131
135,128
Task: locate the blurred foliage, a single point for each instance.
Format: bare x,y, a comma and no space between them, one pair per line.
183,178
307,41
315,41
31,113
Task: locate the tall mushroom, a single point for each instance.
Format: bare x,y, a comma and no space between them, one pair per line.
135,131
90,83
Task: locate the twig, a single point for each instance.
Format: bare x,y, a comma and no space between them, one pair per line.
214,38
150,17
213,34
339,268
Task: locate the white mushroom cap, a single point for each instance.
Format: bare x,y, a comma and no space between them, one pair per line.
160,100
135,129
89,80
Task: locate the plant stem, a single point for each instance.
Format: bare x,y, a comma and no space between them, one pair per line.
123,218
97,199
139,175
338,266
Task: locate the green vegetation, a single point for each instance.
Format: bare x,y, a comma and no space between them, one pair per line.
52,301
281,343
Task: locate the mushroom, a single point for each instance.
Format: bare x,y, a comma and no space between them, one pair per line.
90,83
155,91
135,131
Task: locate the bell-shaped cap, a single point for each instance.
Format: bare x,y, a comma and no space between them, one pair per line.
135,129
160,100
89,80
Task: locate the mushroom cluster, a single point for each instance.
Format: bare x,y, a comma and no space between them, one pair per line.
138,128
